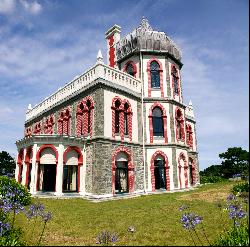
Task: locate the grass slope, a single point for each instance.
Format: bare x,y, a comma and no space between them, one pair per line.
155,217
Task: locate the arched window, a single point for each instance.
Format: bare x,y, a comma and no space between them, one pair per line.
64,122
175,80
126,106
191,177
130,69
117,116
155,74
180,135
88,104
158,127
189,133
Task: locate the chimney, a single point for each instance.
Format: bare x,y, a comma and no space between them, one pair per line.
112,37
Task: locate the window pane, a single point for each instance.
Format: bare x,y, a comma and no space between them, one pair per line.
116,121
158,126
130,69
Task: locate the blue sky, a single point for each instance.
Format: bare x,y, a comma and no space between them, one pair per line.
44,44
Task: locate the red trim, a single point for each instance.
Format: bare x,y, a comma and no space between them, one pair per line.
189,135
162,154
42,148
37,128
111,51
82,115
28,131
27,162
48,125
134,67
183,157
114,109
149,76
164,116
64,122
179,118
193,171
173,67
130,168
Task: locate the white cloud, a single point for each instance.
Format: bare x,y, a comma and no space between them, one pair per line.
31,7
7,6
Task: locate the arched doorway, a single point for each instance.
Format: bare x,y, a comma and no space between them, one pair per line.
47,169
121,173
28,158
159,172
70,172
191,171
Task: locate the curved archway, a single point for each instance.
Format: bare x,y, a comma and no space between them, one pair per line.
20,158
130,68
47,168
27,161
160,172
116,168
71,169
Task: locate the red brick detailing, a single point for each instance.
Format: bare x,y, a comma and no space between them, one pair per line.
134,67
111,51
80,162
173,70
149,76
48,125
183,157
121,123
64,122
189,135
164,156
28,131
20,164
37,128
27,161
84,112
130,169
179,118
164,116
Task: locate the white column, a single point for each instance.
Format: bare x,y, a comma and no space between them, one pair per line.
59,171
23,175
17,168
82,189
34,168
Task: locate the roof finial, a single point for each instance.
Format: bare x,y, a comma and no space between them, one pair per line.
29,107
145,25
99,57
190,103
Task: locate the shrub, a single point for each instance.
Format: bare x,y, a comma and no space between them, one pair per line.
12,238
239,188
212,179
9,184
236,236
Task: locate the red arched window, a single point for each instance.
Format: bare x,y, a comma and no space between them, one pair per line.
180,134
64,122
48,126
189,137
130,68
84,117
37,128
121,118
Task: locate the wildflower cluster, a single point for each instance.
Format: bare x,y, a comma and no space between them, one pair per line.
37,209
235,209
4,227
190,220
106,237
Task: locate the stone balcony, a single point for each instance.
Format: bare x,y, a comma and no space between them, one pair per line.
79,84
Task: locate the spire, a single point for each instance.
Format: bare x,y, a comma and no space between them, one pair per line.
190,103
99,57
144,26
29,107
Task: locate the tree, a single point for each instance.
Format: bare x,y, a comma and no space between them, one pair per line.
235,161
7,163
214,170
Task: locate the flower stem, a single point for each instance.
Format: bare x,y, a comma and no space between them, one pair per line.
205,234
198,237
192,238
38,244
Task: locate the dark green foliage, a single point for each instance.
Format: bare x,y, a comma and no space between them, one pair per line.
211,179
236,236
239,188
12,238
11,183
235,161
7,163
214,170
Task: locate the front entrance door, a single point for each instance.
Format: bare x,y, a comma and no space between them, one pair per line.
121,177
160,174
70,178
49,177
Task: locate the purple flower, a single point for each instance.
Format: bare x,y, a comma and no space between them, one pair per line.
106,237
4,227
231,197
189,221
46,216
35,210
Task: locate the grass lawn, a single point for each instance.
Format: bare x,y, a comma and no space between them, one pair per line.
156,218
